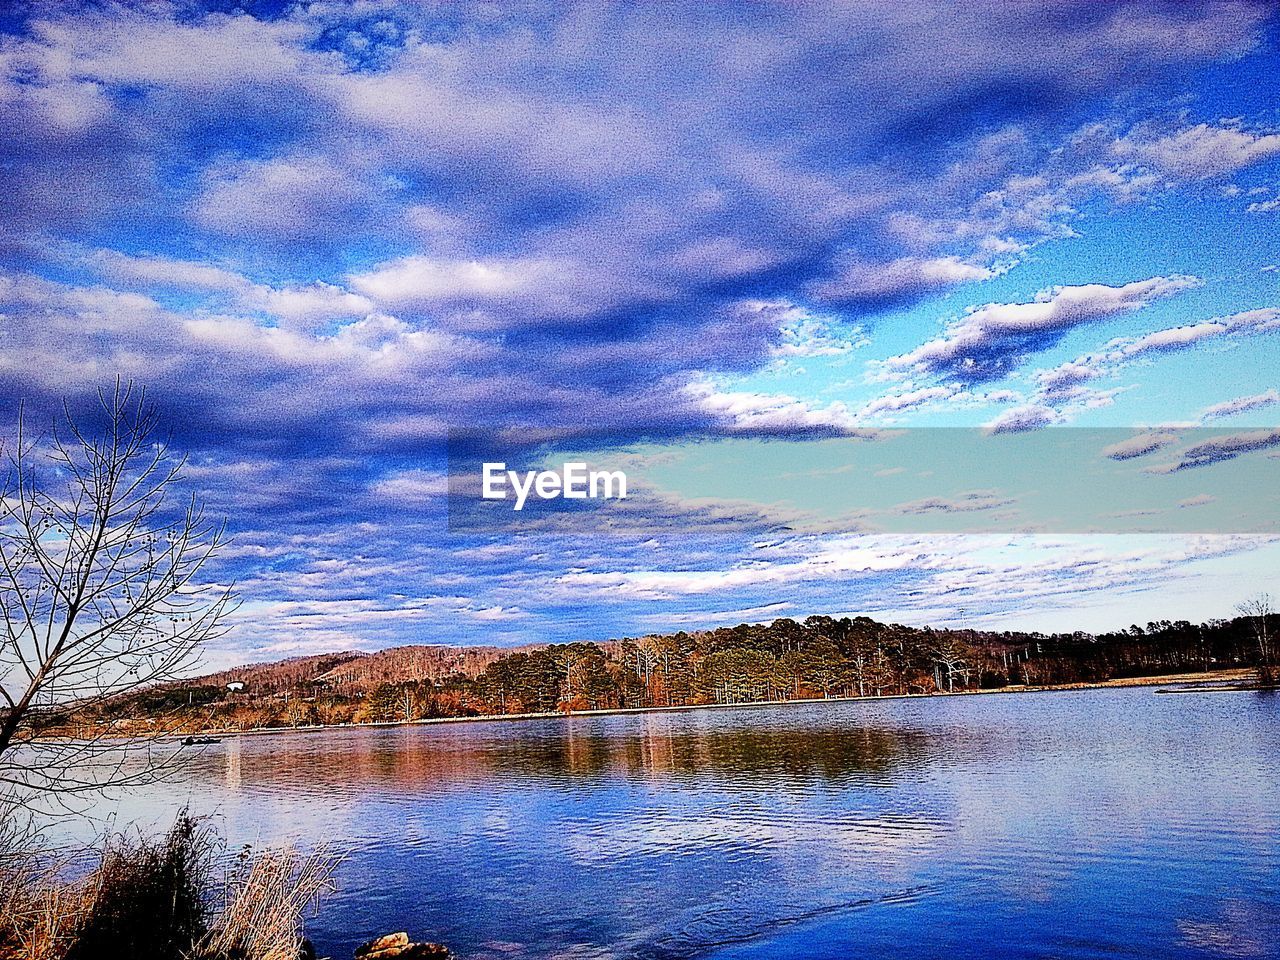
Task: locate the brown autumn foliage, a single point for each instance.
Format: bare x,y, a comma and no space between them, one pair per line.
785,660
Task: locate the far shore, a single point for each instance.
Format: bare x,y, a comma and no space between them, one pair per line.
1207,681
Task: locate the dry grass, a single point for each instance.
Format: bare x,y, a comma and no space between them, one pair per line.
163,899
35,910
264,901
37,913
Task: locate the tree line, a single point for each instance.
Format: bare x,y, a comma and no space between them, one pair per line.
819,657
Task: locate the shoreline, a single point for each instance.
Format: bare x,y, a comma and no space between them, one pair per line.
1215,677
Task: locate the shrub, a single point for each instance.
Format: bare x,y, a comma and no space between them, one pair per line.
148,900
165,899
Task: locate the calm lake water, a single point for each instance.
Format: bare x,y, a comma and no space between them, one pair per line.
1104,823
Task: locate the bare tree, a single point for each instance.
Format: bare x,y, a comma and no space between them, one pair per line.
407,704
1260,608
101,593
567,658
951,655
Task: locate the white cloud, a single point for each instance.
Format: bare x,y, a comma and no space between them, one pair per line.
302,198
1062,386
1175,338
304,307
806,335
1230,408
1139,446
412,485
482,199
826,561
1246,323
1220,449
497,292
745,413
1199,152
993,338
1199,500
975,501
911,399
1067,376
313,305
415,281
1031,416
167,272
215,53
863,281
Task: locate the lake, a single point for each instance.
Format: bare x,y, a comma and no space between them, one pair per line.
1096,823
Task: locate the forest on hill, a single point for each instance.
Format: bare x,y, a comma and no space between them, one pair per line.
787,659
355,670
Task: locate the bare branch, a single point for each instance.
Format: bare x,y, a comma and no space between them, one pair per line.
100,592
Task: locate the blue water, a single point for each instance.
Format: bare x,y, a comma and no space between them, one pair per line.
1103,823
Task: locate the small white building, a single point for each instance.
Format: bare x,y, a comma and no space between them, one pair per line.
236,686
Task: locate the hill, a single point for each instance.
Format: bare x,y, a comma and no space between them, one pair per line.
820,656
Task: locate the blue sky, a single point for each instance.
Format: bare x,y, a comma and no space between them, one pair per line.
324,235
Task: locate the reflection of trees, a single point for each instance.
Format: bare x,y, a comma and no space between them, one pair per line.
425,760
751,752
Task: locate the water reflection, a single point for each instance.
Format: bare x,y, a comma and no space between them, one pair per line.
889,829
422,759
744,754
231,756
